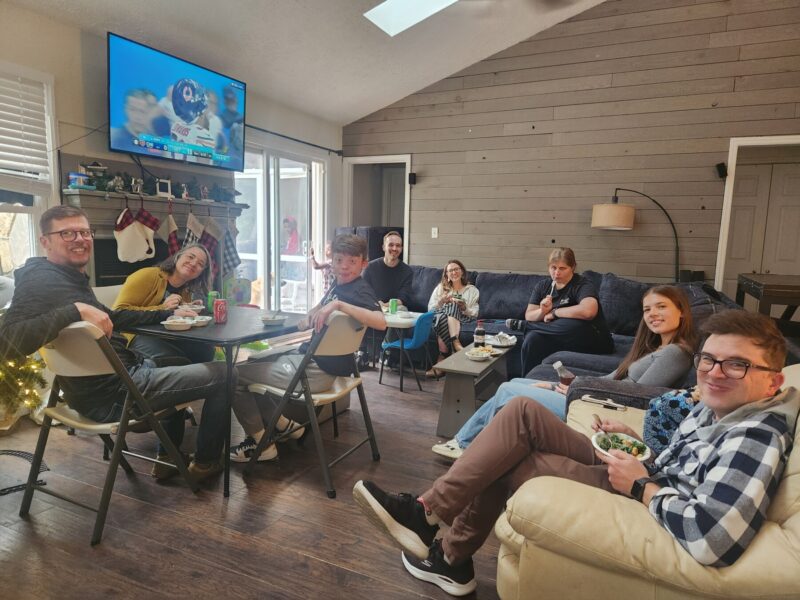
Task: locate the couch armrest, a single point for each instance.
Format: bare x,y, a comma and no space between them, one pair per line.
624,392
617,533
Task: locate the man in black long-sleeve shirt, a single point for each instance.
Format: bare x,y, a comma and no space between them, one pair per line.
391,278
52,292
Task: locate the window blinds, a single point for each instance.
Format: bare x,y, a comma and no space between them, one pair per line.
23,128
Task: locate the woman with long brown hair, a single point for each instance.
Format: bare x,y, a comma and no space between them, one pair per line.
661,355
455,301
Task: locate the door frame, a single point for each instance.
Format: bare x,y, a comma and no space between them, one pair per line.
349,163
727,200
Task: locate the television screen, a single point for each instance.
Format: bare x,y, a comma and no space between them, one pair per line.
165,107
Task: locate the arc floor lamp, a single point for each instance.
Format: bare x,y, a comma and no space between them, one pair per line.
620,217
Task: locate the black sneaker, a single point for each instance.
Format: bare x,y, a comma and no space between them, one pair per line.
515,324
401,516
456,580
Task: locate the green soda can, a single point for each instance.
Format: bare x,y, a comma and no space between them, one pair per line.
212,295
393,306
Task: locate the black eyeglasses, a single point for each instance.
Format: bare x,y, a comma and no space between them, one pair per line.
731,367
70,235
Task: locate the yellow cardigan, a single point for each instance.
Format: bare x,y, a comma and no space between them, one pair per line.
145,289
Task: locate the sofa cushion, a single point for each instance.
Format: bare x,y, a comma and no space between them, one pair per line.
505,295
621,300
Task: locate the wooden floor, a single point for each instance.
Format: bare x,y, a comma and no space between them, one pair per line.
277,536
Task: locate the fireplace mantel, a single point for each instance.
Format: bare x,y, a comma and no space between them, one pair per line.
103,209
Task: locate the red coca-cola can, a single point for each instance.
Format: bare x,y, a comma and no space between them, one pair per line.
220,311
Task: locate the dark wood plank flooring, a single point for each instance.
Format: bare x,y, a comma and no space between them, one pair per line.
277,536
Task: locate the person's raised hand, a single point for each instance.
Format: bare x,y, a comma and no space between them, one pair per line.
623,470
614,426
546,305
95,316
172,302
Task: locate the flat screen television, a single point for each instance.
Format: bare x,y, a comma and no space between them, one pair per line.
165,107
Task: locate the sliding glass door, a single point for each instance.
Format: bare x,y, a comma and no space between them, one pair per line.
274,232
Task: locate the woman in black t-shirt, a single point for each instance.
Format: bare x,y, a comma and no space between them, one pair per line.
563,313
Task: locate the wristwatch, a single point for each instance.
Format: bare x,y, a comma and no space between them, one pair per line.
553,312
637,489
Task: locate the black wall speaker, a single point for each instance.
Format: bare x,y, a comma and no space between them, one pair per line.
412,178
722,170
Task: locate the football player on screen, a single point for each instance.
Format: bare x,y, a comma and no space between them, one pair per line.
189,103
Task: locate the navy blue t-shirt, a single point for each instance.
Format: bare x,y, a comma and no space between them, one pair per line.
571,294
358,293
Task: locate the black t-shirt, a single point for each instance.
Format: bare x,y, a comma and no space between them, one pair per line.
389,282
358,293
571,294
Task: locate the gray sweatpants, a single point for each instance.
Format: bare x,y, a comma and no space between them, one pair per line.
253,411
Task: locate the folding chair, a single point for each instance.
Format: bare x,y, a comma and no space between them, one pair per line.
81,349
340,337
422,331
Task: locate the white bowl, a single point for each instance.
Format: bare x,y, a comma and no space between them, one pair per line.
624,437
271,319
178,324
201,321
477,356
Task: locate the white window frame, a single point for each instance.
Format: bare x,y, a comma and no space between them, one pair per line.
45,192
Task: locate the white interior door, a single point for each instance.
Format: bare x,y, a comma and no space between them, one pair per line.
781,244
747,225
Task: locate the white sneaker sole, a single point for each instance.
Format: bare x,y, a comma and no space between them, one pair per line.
447,451
407,539
448,585
269,453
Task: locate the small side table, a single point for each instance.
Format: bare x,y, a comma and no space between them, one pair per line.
770,289
467,383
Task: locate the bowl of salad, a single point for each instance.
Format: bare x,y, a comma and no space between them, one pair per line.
620,441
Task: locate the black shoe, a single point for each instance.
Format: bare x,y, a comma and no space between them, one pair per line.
458,580
401,516
515,324
363,361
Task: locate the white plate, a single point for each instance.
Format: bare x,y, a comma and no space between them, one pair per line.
596,437
201,321
493,341
477,356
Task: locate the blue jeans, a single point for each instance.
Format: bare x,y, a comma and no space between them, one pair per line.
555,402
164,387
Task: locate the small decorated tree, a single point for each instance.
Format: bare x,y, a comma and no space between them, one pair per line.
20,382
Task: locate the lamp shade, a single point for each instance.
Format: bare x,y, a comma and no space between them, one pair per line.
618,217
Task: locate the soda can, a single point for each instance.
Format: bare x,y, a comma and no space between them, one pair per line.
212,295
220,311
393,306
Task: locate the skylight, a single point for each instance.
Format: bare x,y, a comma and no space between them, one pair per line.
394,16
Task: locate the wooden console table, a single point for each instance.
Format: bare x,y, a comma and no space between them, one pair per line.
770,289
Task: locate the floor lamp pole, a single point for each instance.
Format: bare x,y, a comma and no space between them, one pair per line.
666,214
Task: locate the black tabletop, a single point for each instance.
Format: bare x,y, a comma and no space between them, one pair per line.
244,325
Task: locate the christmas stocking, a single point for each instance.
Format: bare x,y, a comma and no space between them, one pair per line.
169,233
132,244
212,234
230,257
148,225
194,230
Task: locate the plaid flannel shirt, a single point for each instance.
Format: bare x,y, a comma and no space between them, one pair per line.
718,478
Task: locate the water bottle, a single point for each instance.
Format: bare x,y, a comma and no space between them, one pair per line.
479,338
565,376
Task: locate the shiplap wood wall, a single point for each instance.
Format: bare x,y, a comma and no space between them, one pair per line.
511,153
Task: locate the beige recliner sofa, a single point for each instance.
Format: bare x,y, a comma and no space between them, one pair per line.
561,539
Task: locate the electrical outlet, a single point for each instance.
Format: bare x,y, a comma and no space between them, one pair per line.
434,232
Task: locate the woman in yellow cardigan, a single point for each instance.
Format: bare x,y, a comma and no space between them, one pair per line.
184,276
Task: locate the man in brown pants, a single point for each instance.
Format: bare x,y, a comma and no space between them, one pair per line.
710,488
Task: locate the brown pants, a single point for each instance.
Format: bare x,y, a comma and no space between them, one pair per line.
523,441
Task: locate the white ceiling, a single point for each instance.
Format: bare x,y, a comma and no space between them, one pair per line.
321,57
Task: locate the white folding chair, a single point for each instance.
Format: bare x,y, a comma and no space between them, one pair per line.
107,294
80,350
340,337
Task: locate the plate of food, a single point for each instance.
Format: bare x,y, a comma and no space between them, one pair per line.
478,354
620,441
501,340
178,323
201,321
271,318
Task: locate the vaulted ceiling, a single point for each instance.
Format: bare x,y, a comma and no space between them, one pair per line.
321,57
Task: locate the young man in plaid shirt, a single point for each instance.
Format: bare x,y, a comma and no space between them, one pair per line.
710,488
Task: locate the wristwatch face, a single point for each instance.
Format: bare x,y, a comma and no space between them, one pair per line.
637,489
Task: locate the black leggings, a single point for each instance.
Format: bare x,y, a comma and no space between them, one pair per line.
575,335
